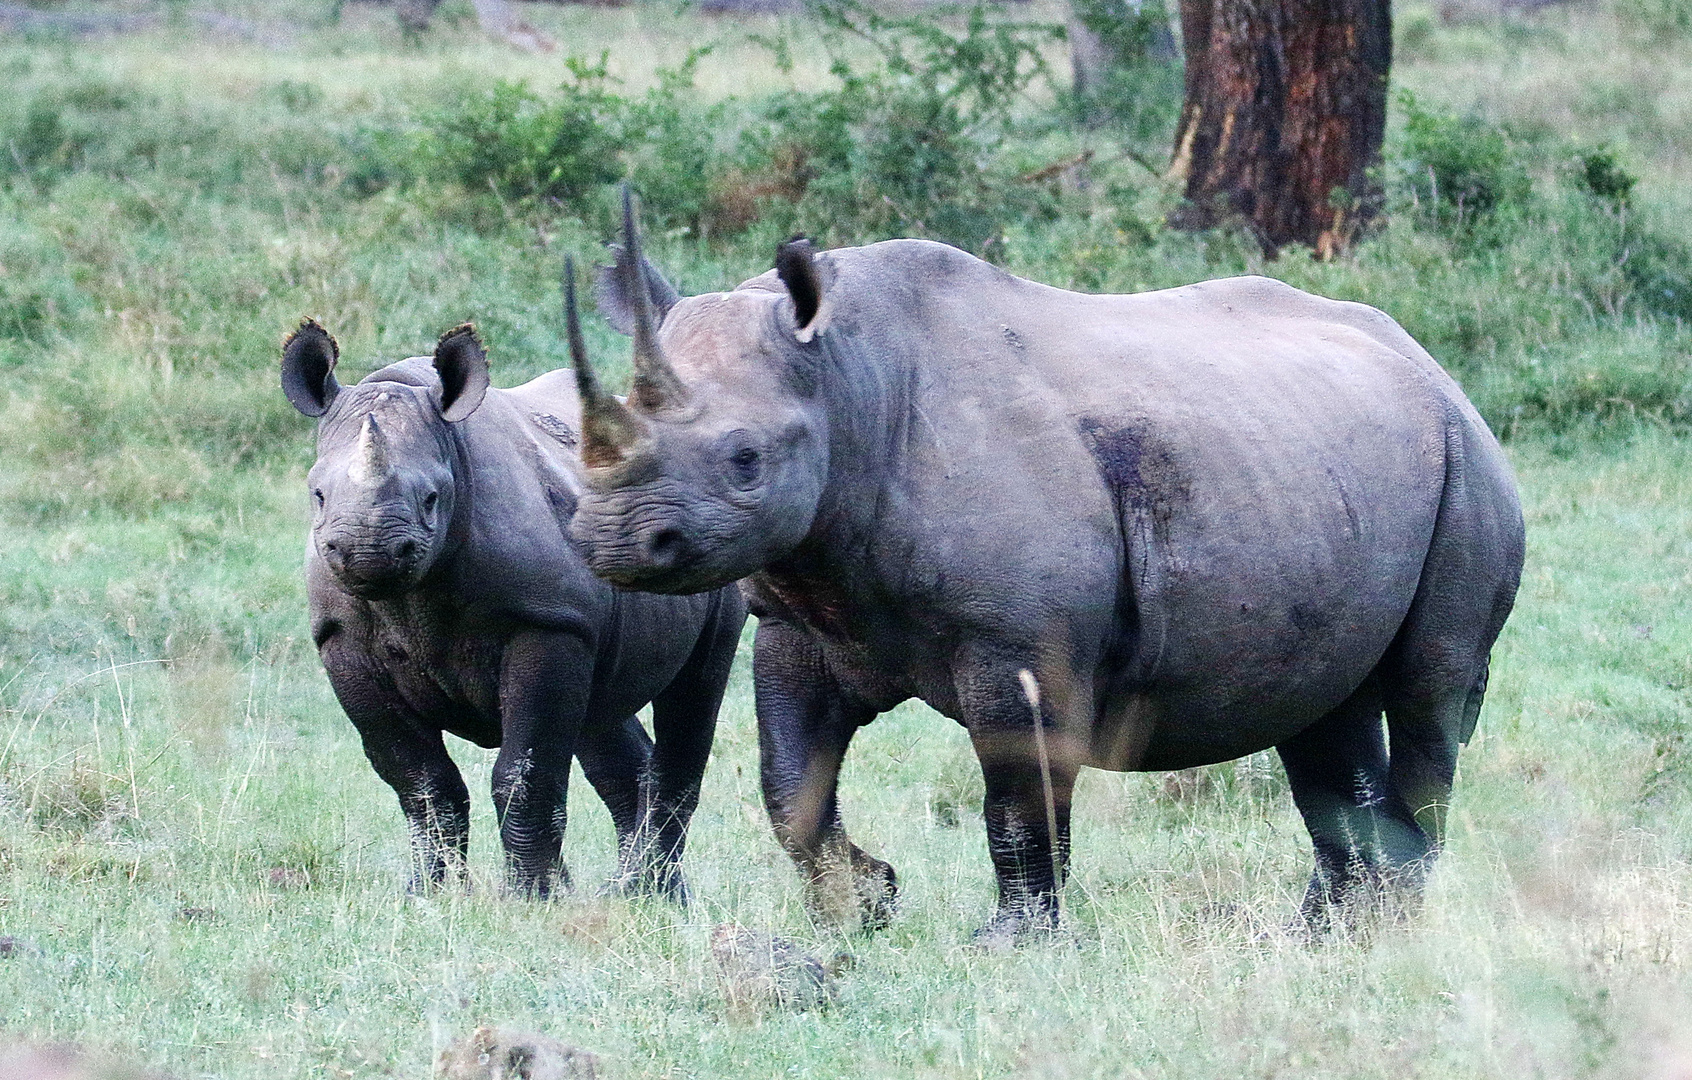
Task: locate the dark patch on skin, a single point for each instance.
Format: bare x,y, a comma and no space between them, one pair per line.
1308,620
1140,477
1012,338
555,427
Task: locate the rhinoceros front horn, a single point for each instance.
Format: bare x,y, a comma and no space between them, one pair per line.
656,384
370,461
609,430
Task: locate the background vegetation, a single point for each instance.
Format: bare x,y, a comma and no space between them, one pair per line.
201,871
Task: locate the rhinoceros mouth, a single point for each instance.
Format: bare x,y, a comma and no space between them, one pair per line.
372,578
668,563
378,585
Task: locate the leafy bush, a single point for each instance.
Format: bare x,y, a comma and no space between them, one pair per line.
509,140
1140,88
521,146
671,148
905,145
1603,176
1657,21
59,128
1460,170
908,146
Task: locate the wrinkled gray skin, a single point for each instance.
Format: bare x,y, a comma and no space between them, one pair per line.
445,597
1207,520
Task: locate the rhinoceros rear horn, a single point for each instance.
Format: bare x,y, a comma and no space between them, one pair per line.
796,266
462,364
656,384
308,366
609,430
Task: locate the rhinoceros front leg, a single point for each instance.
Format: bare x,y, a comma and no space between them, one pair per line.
412,758
684,725
805,724
1029,777
545,679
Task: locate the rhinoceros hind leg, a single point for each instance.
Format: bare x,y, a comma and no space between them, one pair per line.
616,762
1369,847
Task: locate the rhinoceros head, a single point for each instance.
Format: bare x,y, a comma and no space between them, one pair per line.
715,465
383,487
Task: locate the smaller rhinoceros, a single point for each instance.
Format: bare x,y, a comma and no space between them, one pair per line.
446,597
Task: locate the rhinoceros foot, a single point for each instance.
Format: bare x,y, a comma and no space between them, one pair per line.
853,889
664,881
1017,925
1355,902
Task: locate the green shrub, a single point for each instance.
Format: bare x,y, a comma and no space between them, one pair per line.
1460,170
671,147
1657,21
1140,89
1601,175
509,140
908,145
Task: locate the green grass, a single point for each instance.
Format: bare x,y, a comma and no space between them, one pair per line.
211,873
142,778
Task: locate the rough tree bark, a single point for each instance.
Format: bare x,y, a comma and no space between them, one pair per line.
1285,111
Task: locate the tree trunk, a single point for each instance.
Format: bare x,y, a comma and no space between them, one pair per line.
1285,112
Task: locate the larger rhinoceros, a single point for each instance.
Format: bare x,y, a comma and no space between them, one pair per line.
446,597
1193,524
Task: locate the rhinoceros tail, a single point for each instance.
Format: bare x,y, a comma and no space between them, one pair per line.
1472,706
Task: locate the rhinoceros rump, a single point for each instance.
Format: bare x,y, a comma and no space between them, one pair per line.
445,597
1207,520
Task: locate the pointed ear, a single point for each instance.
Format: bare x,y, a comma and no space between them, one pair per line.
308,366
463,367
612,293
796,266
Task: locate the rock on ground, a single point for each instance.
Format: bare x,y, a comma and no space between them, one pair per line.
756,970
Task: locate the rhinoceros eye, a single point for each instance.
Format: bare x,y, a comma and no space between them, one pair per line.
746,463
318,495
429,501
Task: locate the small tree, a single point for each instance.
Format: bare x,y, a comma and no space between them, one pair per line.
1284,116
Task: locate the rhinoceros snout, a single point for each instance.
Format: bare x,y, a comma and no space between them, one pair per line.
667,548
372,569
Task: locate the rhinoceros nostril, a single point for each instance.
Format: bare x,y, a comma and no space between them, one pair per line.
406,550
666,547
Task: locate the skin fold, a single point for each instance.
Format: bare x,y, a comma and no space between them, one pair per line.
1171,529
446,598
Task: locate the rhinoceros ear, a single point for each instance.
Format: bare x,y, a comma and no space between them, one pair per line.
308,368
612,293
463,367
796,266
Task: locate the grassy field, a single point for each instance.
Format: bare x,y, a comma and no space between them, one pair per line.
201,873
